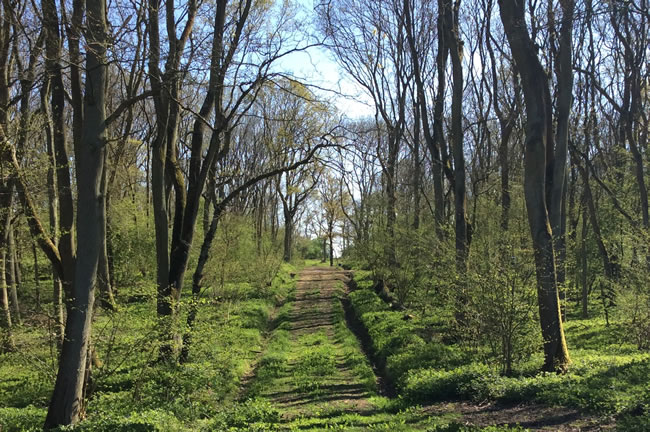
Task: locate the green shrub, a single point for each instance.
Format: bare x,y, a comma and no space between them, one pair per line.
144,421
435,384
364,301
21,386
252,414
362,280
630,423
430,355
25,419
390,333
254,314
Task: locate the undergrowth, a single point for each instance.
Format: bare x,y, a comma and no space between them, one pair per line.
607,377
133,392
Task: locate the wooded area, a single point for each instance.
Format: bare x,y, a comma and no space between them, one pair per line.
165,173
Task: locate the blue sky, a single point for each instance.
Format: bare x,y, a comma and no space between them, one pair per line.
318,68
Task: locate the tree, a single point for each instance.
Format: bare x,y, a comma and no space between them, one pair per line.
369,41
359,180
507,111
223,106
332,204
418,50
538,161
261,162
67,403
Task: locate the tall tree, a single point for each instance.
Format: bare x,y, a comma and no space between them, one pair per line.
67,403
223,106
54,71
556,188
418,55
6,182
369,41
538,161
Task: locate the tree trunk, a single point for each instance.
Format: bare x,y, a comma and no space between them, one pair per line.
11,273
6,203
438,116
595,224
455,46
53,210
67,404
505,176
197,281
18,267
6,336
274,219
390,171
106,297
583,262
330,235
37,279
417,168
60,148
556,193
160,84
288,234
538,145
460,196
6,184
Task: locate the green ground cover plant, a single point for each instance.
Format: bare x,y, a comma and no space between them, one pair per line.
608,375
131,391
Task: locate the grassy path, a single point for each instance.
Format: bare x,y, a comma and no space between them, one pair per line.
313,371
314,375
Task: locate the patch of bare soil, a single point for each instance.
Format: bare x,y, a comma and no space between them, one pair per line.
530,416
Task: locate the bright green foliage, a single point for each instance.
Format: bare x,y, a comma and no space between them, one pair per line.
131,391
608,376
27,418
251,415
398,340
132,243
366,301
311,249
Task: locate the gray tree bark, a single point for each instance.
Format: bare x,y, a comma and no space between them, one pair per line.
11,269
67,403
537,157
53,67
556,193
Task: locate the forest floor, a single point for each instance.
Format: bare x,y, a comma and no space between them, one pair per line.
315,374
293,358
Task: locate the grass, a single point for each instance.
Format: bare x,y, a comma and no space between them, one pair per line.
608,375
132,392
319,379
308,370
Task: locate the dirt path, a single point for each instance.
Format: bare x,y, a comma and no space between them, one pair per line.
316,375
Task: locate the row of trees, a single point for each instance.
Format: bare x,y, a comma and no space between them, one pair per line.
181,113
550,95
178,109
